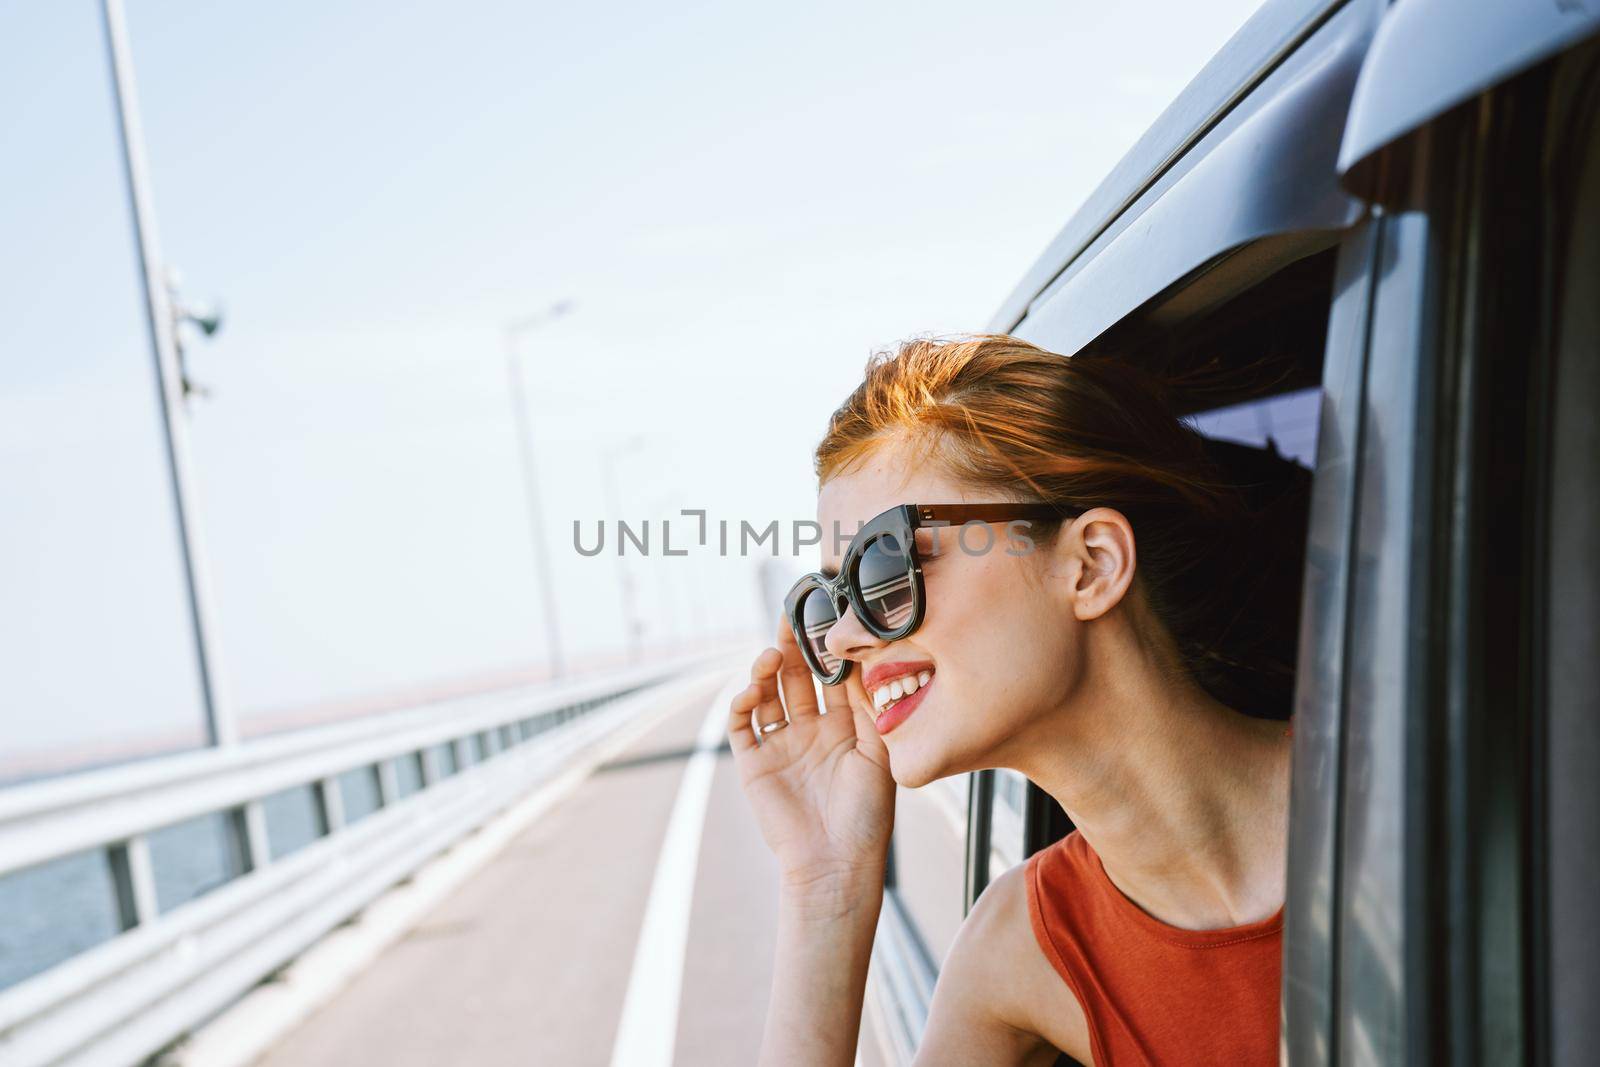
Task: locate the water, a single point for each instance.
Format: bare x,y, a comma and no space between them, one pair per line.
54,911
58,909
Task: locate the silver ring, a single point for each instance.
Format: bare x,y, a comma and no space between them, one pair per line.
767,727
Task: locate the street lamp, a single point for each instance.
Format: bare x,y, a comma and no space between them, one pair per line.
672,605
630,602
205,318
514,330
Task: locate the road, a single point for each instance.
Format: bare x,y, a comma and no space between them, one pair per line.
530,961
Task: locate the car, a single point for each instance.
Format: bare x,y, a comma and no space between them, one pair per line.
1366,238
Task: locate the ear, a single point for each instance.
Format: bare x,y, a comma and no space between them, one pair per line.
1095,553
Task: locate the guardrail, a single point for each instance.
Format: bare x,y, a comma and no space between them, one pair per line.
126,998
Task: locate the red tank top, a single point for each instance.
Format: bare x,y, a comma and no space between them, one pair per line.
1154,994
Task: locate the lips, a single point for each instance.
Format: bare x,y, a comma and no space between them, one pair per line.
879,673
900,710
895,689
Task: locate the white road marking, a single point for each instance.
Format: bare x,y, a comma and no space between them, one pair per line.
246,1031
648,1032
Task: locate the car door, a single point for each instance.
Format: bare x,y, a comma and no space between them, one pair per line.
1438,835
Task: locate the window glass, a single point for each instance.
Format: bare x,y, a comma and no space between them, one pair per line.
1005,822
54,911
90,571
194,857
1374,1000
930,845
1288,421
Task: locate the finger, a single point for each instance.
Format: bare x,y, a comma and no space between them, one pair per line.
747,700
799,685
868,741
836,700
764,673
838,720
740,737
856,708
852,694
843,697
766,706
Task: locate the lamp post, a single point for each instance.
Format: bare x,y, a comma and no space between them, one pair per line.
630,601
672,605
513,332
171,384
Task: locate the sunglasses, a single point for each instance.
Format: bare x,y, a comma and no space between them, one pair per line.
880,577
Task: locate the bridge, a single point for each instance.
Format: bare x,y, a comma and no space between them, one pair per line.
200,872
557,874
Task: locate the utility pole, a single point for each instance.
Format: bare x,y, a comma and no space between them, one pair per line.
630,600
170,380
530,477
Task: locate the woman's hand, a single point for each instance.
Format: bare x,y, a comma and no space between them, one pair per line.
820,787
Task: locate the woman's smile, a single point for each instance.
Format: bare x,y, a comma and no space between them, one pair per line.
1065,669
896,690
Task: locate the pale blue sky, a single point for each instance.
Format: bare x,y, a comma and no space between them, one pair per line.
743,201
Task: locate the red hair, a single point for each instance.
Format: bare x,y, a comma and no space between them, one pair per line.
1018,422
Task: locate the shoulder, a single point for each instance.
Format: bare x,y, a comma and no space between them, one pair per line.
998,998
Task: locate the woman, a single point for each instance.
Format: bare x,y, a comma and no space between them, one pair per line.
1085,648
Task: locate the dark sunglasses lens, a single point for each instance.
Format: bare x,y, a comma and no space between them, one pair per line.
818,617
883,573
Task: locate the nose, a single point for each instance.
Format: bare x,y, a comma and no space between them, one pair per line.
847,638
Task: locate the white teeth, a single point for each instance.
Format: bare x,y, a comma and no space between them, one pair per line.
900,687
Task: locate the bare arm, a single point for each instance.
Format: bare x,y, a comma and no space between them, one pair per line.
822,796
998,1000
820,975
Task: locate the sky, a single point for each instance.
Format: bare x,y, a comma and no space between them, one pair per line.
740,202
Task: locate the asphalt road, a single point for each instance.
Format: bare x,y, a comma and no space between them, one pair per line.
530,961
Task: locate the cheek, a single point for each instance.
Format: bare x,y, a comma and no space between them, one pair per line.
1021,646
998,642
989,612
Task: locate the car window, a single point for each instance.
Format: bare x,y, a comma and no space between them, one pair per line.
1006,822
1288,421
930,833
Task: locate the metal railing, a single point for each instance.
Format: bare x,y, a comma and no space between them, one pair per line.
126,998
